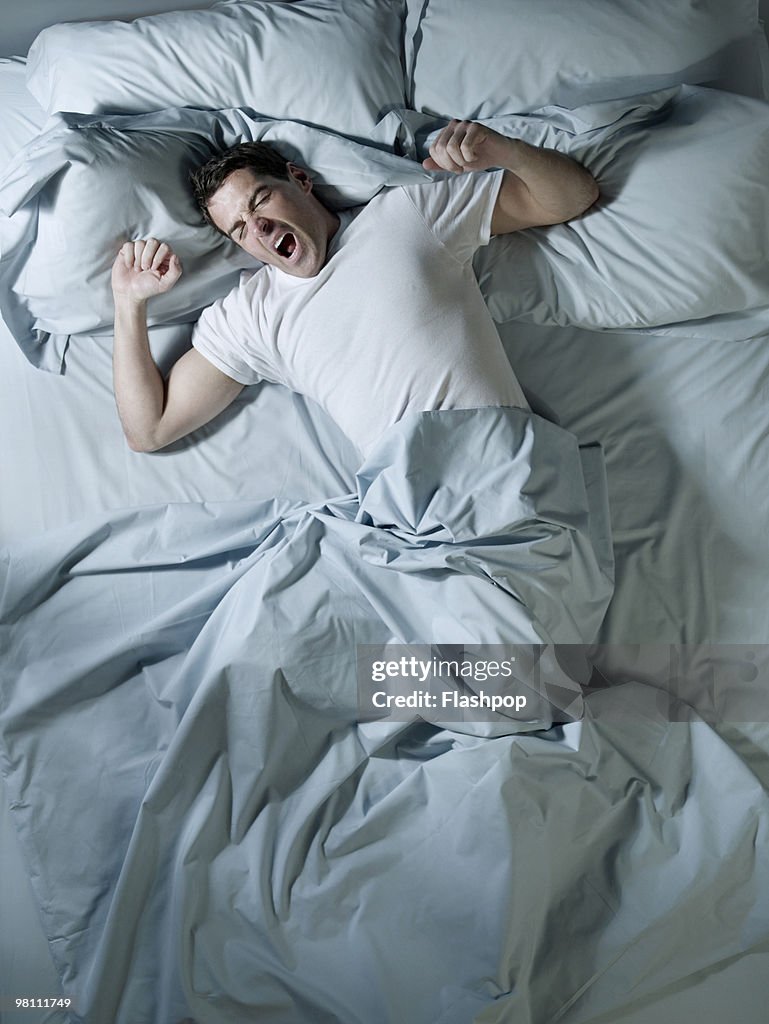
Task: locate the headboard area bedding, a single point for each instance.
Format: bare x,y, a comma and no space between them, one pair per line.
521,55
207,816
242,53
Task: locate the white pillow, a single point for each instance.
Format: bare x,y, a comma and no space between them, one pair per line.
680,235
87,184
331,63
478,60
21,116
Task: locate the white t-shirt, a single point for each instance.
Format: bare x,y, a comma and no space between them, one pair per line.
394,321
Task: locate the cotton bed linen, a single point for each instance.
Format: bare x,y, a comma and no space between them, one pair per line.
240,54
564,55
690,258
399,810
58,188
672,496
56,191
257,611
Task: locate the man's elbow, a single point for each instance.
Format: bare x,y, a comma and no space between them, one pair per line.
593,193
590,193
574,204
143,443
139,445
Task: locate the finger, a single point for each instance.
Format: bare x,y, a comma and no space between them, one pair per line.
148,254
138,246
161,255
174,268
127,253
444,135
454,144
472,142
439,149
443,147
171,274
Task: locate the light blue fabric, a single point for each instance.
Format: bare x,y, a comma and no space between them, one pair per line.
677,244
181,735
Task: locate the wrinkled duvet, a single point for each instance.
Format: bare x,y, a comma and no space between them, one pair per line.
216,832
226,836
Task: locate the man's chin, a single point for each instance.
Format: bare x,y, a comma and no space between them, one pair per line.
303,267
299,271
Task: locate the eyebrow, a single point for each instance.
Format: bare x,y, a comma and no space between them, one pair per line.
251,204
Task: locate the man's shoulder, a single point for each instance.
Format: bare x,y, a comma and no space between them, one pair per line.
405,197
439,196
242,294
445,188
252,282
442,187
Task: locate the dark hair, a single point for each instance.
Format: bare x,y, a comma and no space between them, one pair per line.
255,156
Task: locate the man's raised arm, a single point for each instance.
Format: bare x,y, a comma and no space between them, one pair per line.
540,186
154,412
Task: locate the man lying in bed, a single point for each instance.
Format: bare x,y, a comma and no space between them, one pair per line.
370,312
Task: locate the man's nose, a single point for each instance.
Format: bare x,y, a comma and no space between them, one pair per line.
258,225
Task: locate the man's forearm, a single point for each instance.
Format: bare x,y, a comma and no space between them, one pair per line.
139,387
560,187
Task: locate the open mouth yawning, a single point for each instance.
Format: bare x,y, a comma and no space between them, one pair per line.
285,245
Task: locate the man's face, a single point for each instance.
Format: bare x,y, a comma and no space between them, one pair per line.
276,221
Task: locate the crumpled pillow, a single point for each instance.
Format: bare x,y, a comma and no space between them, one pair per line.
678,243
332,63
21,117
496,57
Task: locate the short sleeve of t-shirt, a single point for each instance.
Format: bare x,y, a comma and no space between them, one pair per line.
458,209
224,334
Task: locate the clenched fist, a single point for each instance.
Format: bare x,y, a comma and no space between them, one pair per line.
144,268
466,146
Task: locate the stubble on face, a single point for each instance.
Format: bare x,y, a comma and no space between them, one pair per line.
278,222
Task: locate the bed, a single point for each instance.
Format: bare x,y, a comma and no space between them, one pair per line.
200,821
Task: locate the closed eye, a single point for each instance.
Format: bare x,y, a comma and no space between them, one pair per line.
259,196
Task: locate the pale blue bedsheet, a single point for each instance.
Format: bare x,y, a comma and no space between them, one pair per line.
305,869
181,735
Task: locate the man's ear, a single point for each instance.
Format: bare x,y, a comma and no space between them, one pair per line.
300,176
